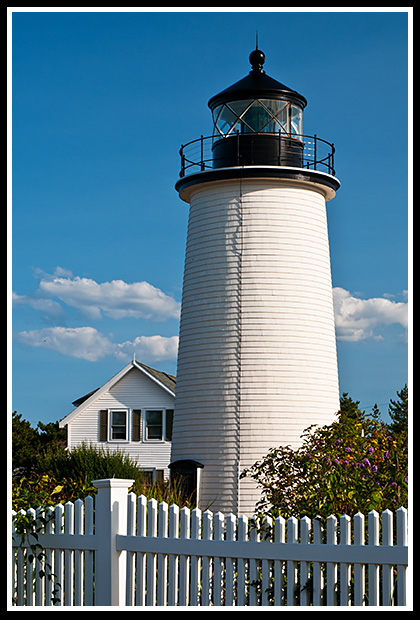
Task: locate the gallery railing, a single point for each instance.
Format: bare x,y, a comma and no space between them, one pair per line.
206,153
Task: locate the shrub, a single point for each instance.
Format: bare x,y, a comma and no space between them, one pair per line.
88,462
353,465
70,475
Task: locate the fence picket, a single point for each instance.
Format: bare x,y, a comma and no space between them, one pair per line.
131,529
345,569
184,559
68,555
151,557
19,567
266,564
162,574
49,557
318,576
195,560
230,563
39,563
359,569
279,537
331,566
30,567
242,563
373,569
219,527
292,571
167,556
207,560
141,557
402,568
173,559
387,569
89,554
253,565
78,553
58,556
305,573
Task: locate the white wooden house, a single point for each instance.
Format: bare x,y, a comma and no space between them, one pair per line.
132,413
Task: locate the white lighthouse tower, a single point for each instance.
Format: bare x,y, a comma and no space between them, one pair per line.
257,359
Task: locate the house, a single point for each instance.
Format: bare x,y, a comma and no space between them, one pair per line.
133,413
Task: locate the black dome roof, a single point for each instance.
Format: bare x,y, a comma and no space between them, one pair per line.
257,85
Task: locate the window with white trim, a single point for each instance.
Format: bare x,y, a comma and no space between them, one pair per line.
118,424
158,424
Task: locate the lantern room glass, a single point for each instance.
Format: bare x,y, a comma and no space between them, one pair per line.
257,116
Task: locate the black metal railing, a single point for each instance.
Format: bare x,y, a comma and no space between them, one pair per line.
310,152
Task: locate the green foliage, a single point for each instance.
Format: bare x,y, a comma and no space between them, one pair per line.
88,462
355,464
24,445
398,412
26,530
46,474
44,490
29,444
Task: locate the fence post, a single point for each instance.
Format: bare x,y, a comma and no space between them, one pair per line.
110,519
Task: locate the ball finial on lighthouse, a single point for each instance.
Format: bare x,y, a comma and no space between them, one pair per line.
257,361
257,59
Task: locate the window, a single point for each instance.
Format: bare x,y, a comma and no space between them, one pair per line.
257,116
158,424
154,425
118,424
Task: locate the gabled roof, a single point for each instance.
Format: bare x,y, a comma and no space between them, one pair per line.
164,380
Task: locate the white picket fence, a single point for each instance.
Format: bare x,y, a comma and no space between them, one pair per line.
124,550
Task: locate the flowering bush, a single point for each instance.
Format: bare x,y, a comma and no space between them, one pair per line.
353,465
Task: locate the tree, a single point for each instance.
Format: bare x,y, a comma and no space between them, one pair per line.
51,434
29,444
349,408
376,413
398,412
24,445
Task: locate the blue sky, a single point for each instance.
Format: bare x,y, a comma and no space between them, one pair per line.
101,103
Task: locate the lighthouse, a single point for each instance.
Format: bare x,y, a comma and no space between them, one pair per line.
257,361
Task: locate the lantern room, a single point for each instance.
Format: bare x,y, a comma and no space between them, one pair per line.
257,121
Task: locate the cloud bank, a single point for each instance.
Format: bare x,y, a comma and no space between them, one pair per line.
356,318
115,299
61,292
89,344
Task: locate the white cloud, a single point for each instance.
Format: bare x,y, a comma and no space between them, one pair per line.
82,342
51,310
149,348
89,344
356,319
115,299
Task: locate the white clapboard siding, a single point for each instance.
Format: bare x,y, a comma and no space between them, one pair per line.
160,555
257,359
134,390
